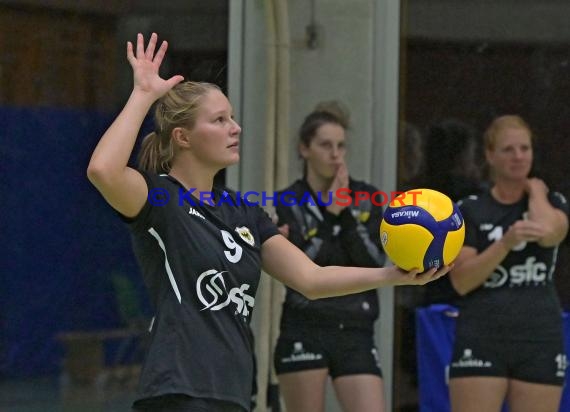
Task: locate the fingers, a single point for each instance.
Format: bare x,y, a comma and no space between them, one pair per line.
140,46
160,53
174,80
428,275
443,271
431,274
529,231
524,231
149,54
340,179
151,46
413,273
342,171
130,54
343,176
535,185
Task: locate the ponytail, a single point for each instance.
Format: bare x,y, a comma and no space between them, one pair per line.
154,156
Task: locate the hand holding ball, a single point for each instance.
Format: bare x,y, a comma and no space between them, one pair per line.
422,228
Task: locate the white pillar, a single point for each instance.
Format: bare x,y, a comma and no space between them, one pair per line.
384,152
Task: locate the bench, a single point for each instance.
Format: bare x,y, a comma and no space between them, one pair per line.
84,359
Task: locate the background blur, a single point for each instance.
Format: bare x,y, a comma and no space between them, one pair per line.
69,279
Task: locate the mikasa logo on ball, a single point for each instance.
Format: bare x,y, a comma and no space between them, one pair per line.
406,213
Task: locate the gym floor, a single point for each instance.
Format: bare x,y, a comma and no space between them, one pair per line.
53,394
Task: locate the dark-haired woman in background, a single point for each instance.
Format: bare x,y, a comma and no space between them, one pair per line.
332,336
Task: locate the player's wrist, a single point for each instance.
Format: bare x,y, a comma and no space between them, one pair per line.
394,276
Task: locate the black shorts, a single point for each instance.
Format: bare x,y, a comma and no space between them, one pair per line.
184,403
537,362
344,350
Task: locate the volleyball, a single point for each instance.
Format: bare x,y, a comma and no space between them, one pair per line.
422,228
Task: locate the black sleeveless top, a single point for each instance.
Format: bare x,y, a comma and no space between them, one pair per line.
201,265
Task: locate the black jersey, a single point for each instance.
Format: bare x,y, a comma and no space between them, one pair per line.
518,300
201,265
349,239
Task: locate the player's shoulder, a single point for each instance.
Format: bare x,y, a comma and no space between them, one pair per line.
469,201
476,201
480,192
156,179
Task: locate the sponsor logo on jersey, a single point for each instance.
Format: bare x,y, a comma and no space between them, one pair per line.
529,273
245,234
194,212
469,361
212,292
485,227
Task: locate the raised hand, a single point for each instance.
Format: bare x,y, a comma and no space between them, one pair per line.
536,186
340,181
146,65
523,231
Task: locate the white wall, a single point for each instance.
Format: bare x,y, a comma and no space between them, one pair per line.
339,68
355,61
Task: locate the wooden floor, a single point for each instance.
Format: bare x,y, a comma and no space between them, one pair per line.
53,394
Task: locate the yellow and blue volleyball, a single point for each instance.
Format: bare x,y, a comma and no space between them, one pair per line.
422,229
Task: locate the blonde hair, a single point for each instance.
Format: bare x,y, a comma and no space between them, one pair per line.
501,123
177,108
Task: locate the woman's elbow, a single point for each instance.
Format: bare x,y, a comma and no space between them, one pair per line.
457,285
308,289
100,175
309,293
307,281
95,173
